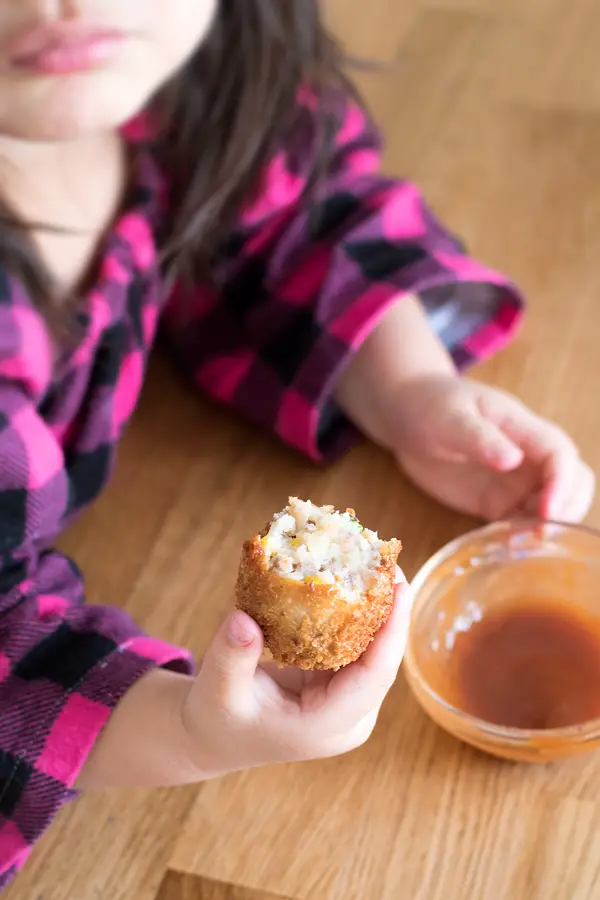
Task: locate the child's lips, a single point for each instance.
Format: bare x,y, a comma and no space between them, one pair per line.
65,48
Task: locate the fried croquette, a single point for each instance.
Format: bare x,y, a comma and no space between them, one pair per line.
318,584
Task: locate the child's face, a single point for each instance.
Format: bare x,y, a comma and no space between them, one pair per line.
72,67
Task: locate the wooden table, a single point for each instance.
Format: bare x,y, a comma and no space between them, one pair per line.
494,109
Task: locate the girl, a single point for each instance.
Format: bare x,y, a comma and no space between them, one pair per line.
201,166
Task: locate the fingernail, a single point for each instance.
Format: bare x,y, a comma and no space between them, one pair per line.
510,459
550,504
238,632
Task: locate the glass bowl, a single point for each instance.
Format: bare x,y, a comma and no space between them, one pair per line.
466,581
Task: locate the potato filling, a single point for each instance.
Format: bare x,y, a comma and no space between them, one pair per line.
319,544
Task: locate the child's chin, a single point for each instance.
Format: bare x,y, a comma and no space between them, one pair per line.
70,107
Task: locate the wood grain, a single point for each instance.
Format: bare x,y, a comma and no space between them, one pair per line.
494,107
177,886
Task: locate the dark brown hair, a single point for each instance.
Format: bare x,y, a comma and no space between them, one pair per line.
219,120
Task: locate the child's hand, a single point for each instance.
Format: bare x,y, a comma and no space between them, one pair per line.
240,714
483,452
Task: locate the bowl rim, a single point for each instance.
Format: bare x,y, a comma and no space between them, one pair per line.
582,733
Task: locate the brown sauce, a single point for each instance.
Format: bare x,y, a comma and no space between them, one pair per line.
530,665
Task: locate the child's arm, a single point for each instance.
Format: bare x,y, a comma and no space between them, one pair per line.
401,350
64,666
144,743
470,446
317,325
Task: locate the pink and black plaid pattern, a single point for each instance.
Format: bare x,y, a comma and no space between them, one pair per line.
302,285
299,286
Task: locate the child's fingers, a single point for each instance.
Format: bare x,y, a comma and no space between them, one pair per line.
294,680
289,682
542,442
230,664
386,652
577,500
361,687
545,446
559,473
471,437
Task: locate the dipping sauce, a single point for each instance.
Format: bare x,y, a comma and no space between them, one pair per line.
504,644
529,664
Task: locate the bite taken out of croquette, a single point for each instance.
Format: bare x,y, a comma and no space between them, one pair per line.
318,584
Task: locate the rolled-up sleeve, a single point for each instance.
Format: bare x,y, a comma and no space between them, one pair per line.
63,665
303,282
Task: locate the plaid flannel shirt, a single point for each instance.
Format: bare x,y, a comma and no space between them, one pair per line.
299,289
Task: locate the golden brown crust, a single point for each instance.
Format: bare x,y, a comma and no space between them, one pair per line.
309,625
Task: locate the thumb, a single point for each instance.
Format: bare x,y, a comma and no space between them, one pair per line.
472,437
231,661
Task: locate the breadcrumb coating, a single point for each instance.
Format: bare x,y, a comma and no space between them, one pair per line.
318,584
